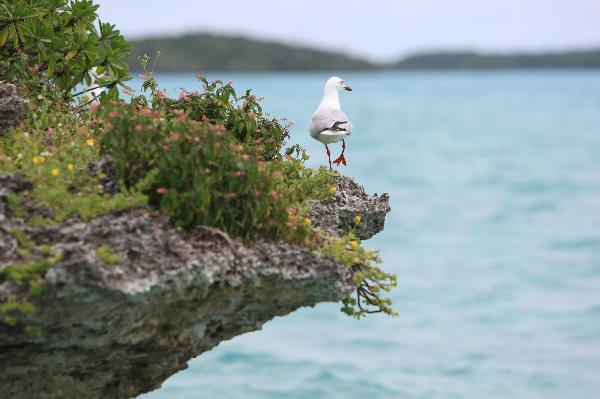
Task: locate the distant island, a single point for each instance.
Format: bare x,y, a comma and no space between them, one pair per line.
473,60
209,52
212,52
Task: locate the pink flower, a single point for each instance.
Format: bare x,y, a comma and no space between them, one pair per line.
229,82
206,171
109,125
276,174
161,190
34,69
113,114
318,239
239,173
245,157
139,128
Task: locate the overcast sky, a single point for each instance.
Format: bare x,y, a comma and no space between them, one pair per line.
380,30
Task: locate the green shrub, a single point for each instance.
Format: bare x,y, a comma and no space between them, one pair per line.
219,104
58,40
200,174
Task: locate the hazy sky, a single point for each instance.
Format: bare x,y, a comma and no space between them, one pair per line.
377,29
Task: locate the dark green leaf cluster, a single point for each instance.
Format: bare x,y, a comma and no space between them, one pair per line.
59,40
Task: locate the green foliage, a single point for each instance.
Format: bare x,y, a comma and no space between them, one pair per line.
56,161
14,205
29,271
29,275
58,40
13,309
307,183
39,221
107,256
22,239
220,105
371,281
201,174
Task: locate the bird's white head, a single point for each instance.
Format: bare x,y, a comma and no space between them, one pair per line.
336,84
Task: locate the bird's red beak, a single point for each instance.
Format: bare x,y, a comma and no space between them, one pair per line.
347,88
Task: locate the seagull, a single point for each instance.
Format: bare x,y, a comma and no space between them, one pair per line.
329,124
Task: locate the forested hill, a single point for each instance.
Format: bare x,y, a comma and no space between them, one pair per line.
212,52
208,52
472,60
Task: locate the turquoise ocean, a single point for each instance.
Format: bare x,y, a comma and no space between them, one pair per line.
494,234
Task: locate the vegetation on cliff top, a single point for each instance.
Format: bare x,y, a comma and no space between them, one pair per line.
211,157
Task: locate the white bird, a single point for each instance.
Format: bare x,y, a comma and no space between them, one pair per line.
94,89
329,124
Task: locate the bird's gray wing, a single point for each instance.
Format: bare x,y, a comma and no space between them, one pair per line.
334,120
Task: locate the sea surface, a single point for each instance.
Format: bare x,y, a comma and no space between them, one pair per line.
494,234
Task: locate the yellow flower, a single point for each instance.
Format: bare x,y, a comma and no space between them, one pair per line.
357,219
38,160
55,172
70,167
307,221
90,142
354,243
99,186
301,166
333,190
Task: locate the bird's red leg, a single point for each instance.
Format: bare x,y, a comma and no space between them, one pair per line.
328,156
341,159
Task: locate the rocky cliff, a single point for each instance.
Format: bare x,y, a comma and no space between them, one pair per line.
117,327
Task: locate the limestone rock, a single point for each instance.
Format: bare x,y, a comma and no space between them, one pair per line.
12,106
350,200
116,331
